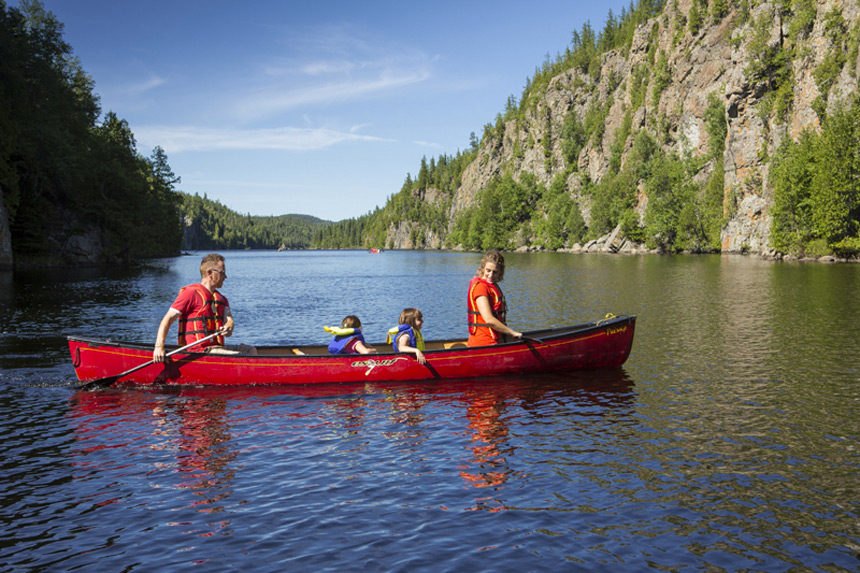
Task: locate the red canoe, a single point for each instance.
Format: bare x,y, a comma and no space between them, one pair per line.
602,344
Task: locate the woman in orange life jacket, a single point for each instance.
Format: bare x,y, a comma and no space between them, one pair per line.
486,303
201,310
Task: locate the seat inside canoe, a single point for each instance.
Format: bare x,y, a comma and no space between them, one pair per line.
320,350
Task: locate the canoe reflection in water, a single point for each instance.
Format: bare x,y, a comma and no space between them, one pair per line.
488,412
221,444
488,440
203,445
188,442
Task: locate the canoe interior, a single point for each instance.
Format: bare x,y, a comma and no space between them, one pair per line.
381,347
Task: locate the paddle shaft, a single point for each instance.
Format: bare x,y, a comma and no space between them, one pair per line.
108,380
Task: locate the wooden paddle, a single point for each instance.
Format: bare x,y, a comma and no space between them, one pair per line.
107,381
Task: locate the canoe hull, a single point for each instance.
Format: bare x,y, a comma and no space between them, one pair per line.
602,344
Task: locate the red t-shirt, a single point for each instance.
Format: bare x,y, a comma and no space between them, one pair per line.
189,302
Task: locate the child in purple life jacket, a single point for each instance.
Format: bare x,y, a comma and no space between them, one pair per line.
348,338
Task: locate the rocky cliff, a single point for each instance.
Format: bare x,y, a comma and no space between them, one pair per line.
6,259
716,59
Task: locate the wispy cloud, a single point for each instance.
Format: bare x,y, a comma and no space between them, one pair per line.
331,66
143,86
276,99
177,139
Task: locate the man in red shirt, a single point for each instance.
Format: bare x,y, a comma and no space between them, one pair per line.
201,310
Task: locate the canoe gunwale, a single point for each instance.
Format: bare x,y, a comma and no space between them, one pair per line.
542,335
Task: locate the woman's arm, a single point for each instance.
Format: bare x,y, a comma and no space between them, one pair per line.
495,323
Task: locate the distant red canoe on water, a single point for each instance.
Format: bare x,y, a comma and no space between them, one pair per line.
602,344
374,251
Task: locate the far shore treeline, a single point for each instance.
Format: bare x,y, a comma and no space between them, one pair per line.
76,189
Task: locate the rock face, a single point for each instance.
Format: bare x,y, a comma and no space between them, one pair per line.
190,234
714,60
6,259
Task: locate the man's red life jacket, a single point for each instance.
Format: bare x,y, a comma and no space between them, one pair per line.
207,319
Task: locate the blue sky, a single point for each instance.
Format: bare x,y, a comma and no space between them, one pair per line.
318,108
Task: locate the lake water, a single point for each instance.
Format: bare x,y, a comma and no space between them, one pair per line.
729,441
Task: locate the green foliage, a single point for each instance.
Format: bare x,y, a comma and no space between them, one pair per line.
557,220
679,22
816,182
573,139
218,227
595,120
848,247
836,186
711,210
774,68
679,216
662,78
801,19
694,18
618,145
639,80
853,47
829,69
546,142
791,176
508,212
614,195
718,10
668,189
716,125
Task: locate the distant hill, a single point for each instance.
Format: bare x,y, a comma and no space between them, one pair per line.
208,224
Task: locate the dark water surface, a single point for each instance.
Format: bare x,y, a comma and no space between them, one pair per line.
729,441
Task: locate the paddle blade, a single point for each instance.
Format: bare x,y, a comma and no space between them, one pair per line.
98,383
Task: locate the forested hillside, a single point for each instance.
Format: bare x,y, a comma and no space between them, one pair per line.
424,202
73,189
209,225
689,125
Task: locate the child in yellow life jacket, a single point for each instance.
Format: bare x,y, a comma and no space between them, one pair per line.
406,337
348,338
